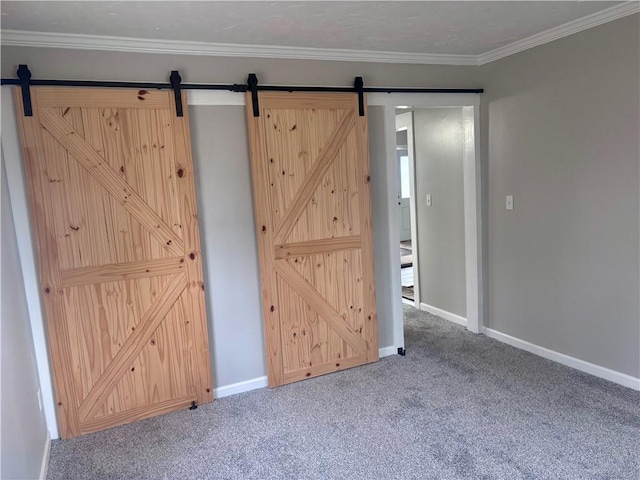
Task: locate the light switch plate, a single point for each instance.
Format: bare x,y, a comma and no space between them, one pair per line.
428,199
509,202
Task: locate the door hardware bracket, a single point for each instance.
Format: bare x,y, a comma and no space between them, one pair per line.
24,75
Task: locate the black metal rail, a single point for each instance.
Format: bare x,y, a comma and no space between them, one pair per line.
24,80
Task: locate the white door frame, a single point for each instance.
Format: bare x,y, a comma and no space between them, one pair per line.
472,197
12,156
404,121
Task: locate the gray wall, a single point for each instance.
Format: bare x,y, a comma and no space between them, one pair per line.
23,432
439,140
560,132
380,220
225,210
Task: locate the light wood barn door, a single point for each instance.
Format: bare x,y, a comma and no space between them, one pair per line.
113,206
311,186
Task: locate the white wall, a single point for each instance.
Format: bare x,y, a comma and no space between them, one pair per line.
561,128
439,149
23,433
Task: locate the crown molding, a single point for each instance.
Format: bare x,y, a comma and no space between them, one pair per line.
20,38
564,30
141,45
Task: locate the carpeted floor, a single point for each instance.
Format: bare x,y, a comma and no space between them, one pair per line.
458,406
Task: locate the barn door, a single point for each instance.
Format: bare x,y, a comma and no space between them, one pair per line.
112,199
311,186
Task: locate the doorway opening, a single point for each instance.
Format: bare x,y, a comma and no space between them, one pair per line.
405,195
436,167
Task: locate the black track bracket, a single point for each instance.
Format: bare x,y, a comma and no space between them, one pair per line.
175,80
24,75
358,84
401,351
252,85
193,405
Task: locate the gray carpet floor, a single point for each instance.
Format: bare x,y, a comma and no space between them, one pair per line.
458,406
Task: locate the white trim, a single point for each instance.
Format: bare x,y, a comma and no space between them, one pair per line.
240,387
406,301
472,214
591,368
393,217
214,97
387,351
21,38
564,30
44,466
389,102
26,251
452,317
404,121
419,100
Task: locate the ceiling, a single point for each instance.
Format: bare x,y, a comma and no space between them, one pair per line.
443,28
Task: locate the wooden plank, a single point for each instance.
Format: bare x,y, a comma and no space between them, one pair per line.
101,171
264,223
103,97
307,100
308,164
323,369
317,171
368,271
193,301
132,346
139,413
121,271
124,307
303,288
59,346
296,249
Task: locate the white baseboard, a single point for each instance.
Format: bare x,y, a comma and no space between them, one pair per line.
235,388
596,370
452,317
387,351
45,458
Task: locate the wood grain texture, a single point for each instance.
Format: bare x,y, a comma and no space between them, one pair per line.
139,413
39,198
121,271
194,301
132,346
264,223
308,101
113,205
103,97
320,304
313,216
317,246
324,368
107,177
313,178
